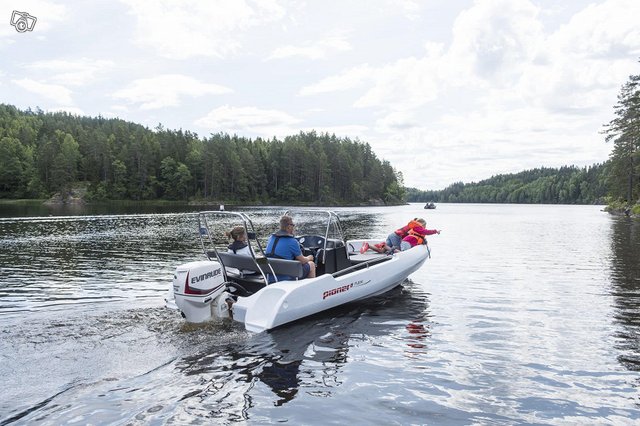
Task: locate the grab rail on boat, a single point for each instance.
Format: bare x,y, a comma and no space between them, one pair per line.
362,265
250,230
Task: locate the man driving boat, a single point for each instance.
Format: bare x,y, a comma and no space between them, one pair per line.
283,245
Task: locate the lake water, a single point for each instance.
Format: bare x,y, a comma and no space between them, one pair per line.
523,315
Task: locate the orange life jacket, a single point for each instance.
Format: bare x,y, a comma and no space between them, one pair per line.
404,231
419,237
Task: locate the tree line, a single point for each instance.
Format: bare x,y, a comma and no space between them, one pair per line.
46,153
564,185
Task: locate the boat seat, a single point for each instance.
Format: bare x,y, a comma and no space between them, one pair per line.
291,268
238,261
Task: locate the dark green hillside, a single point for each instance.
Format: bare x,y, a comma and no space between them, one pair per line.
46,153
566,185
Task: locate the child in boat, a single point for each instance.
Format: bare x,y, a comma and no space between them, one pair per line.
239,245
416,237
394,240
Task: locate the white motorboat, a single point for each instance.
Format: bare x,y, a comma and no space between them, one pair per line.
229,285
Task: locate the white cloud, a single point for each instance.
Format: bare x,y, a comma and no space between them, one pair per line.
54,92
120,108
320,49
70,109
78,72
587,59
166,90
352,78
181,30
492,43
494,39
491,40
409,8
606,30
351,131
264,122
408,83
396,121
474,145
6,34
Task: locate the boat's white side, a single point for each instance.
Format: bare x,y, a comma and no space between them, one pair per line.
287,301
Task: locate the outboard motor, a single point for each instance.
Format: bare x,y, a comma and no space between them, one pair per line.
199,291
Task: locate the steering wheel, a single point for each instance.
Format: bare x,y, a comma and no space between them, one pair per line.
310,244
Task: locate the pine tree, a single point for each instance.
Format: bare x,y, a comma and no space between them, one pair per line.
624,132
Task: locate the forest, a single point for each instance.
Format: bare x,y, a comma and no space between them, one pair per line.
566,185
46,153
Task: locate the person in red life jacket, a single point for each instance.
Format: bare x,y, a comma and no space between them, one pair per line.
416,237
392,244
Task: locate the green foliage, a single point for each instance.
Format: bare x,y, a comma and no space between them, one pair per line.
620,206
175,178
41,154
15,166
566,185
64,165
624,132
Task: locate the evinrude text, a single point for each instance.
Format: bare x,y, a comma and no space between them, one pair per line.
206,276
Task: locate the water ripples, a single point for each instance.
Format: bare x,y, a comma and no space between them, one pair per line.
523,315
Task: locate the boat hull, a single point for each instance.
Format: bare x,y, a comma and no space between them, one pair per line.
287,301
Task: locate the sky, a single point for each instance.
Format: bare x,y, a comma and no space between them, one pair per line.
445,90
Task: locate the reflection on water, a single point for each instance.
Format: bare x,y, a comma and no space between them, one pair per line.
532,317
308,355
625,274
213,372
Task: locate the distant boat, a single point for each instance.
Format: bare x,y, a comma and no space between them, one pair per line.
430,205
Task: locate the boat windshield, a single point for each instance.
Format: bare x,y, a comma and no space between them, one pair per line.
215,224
317,222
